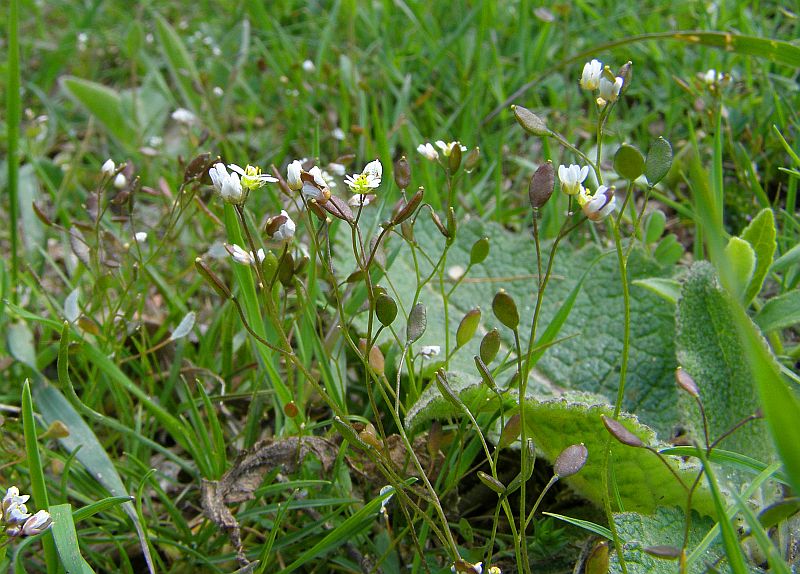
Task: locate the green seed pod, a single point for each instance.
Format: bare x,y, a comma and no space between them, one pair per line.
455,158
664,552
417,323
468,326
510,432
385,309
505,310
445,389
479,251
597,561
286,269
530,122
571,460
349,434
629,162
406,210
473,157
542,184
451,225
212,279
486,375
621,433
658,162
490,345
491,482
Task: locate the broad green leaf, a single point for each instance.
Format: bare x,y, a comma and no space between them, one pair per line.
103,103
760,234
709,349
780,312
66,540
587,354
664,527
742,260
668,251
555,423
667,289
654,224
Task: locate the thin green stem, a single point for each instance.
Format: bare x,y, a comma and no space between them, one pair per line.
13,115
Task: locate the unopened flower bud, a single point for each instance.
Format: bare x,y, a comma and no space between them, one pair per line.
108,168
590,77
293,172
37,523
120,181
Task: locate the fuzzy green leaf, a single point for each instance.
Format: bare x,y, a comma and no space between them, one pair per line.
779,312
760,234
742,260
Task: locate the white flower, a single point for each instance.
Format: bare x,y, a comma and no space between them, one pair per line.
367,180
337,168
428,151
447,148
590,78
108,168
293,172
494,570
308,66
244,257
16,513
120,181
227,184
317,187
712,77
572,177
37,523
281,227
598,206
13,497
609,91
251,176
338,134
140,237
184,116
429,351
218,91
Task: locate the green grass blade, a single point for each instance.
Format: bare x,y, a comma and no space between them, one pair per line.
347,530
38,485
585,524
727,458
733,551
13,116
66,540
99,506
776,563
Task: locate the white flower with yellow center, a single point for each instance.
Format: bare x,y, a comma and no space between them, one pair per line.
590,78
244,257
572,177
447,148
251,176
609,91
227,184
293,172
367,180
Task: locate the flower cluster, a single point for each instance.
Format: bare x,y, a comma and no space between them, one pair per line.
596,77
15,520
234,187
429,152
595,206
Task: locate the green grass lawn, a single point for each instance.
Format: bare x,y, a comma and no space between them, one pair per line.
206,374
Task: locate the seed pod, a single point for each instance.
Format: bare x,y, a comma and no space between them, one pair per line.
686,382
473,157
438,223
597,561
417,323
338,209
455,158
486,375
479,251
542,184
290,410
510,432
197,167
368,436
621,433
349,433
626,73
530,122
446,391
491,482
215,282
286,269
664,552
406,210
530,446
375,359
505,309
402,173
451,225
468,326
629,162
490,345
658,161
571,460
385,309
